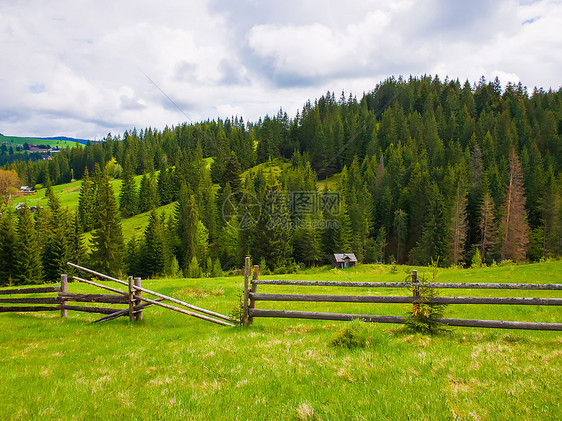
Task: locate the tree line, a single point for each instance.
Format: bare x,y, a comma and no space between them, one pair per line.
424,170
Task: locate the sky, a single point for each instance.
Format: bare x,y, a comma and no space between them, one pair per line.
88,68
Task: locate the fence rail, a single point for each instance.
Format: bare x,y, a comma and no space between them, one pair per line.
251,296
63,297
464,285
132,298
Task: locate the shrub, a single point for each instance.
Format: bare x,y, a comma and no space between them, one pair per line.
421,318
354,335
237,312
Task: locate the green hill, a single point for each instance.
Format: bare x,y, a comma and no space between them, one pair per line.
59,142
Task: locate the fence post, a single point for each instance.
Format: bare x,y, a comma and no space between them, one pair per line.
255,276
138,298
63,290
247,265
131,299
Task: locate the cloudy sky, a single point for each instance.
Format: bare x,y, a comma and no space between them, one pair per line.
86,68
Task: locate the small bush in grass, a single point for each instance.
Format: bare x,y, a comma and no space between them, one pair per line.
354,335
237,312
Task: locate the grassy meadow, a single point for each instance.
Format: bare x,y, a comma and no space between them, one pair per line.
170,366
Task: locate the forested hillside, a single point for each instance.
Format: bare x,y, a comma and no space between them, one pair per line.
418,169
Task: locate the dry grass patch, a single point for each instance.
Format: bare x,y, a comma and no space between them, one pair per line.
200,292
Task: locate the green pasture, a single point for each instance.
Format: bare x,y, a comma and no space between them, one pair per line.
171,366
16,140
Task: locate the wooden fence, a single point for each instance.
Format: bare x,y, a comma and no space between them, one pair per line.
132,299
60,302
251,296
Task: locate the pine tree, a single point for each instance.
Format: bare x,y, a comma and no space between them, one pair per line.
53,200
28,268
433,244
86,203
107,240
194,270
132,263
187,222
148,194
271,236
514,228
154,256
400,226
550,206
129,195
459,227
487,225
58,249
217,269
7,248
306,242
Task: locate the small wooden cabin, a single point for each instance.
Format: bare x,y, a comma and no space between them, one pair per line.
344,260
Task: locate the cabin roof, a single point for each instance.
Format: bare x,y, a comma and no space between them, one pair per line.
340,257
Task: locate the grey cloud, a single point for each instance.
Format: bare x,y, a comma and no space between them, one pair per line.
185,72
128,103
231,73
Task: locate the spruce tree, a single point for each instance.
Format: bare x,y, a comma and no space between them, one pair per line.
58,250
86,203
306,242
148,194
271,236
107,240
154,248
8,246
28,268
459,227
187,222
194,270
550,206
514,229
400,226
487,225
129,196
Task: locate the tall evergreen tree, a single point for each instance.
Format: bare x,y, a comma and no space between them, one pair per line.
514,229
154,254
28,268
107,240
487,225
86,203
271,236
148,193
58,250
187,222
400,226
128,203
551,214
459,227
8,247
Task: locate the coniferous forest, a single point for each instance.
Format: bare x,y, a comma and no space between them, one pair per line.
416,171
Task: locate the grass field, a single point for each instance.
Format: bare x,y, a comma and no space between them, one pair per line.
170,366
15,140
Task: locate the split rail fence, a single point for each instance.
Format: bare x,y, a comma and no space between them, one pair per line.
251,297
133,299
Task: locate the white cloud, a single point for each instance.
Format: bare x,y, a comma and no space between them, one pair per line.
82,68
